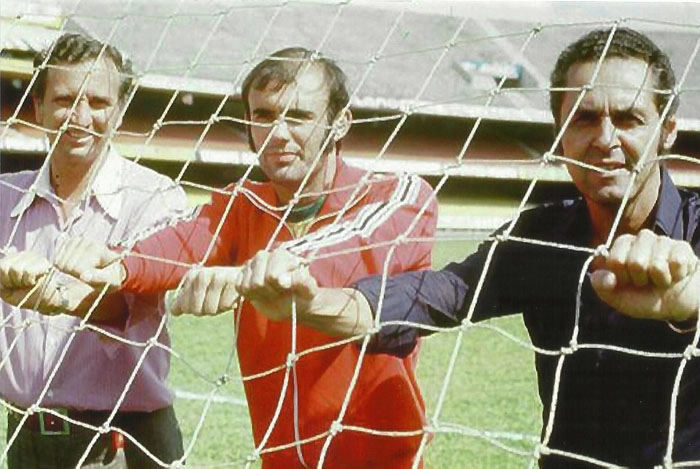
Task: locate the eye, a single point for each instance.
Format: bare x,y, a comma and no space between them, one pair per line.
99,103
627,120
584,118
298,117
64,101
264,116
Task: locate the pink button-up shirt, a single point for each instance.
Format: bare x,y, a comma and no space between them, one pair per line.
47,360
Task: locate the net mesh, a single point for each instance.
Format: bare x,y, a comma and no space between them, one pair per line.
186,50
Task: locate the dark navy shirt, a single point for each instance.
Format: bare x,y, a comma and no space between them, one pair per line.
611,405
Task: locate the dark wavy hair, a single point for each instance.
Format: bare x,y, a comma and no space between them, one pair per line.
73,48
625,43
281,69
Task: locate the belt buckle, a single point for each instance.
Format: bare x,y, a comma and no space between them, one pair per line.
48,428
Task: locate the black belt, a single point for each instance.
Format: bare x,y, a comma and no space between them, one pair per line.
49,423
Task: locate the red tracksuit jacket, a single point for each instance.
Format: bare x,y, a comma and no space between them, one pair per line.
238,223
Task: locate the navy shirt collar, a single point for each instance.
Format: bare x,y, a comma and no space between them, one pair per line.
575,225
669,208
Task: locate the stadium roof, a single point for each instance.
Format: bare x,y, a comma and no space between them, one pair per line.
396,59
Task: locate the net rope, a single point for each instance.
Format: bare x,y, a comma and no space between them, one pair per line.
214,387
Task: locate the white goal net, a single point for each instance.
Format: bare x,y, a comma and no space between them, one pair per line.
455,92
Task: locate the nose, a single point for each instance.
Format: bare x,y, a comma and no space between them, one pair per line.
606,137
281,130
82,113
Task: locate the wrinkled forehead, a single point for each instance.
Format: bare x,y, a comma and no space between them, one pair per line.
616,72
95,76
309,82
101,69
625,80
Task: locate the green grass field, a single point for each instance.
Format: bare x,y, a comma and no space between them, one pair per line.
490,416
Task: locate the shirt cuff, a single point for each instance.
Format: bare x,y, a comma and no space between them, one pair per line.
394,339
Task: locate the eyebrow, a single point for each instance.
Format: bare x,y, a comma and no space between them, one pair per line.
291,113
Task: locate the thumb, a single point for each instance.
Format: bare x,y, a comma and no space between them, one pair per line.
603,281
304,283
112,275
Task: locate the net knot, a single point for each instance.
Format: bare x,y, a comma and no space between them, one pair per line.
336,427
223,379
690,352
291,359
601,251
541,450
548,158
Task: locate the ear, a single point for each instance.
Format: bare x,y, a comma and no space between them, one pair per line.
341,125
669,132
249,133
38,109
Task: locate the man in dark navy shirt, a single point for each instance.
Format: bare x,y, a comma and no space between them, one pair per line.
612,326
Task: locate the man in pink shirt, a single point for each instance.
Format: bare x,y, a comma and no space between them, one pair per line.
58,380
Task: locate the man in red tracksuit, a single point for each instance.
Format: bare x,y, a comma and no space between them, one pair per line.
349,220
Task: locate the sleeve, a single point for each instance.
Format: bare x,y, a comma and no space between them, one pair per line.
160,257
409,304
413,304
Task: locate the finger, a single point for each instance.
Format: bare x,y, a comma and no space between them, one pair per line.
196,292
304,283
603,281
244,280
79,255
280,268
112,275
260,286
25,269
617,257
176,308
212,296
659,268
639,257
229,298
180,306
15,296
35,267
682,260
258,270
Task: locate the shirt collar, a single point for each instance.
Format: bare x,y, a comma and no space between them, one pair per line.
106,188
668,217
344,186
345,182
669,208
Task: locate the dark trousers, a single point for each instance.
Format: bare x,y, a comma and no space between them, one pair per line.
158,432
